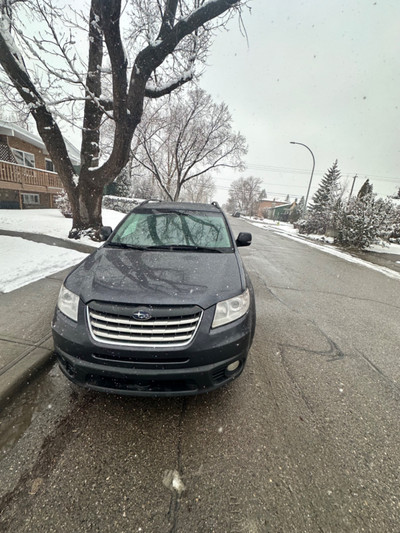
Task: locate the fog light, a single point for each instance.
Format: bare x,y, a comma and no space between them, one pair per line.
233,366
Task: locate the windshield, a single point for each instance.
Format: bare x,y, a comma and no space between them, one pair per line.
190,229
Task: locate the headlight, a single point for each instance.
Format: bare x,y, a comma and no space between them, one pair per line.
232,309
68,303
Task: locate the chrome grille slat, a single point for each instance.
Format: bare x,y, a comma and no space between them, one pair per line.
159,331
154,330
143,339
121,320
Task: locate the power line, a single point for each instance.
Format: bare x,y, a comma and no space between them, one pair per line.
286,170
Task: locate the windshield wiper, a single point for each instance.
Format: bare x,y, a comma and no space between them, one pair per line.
125,245
184,247
188,247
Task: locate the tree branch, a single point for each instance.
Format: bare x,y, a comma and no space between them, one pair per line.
12,62
168,18
157,93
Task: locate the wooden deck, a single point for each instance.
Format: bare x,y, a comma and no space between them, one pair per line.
22,178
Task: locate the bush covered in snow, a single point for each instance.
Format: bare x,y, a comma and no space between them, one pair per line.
358,225
63,204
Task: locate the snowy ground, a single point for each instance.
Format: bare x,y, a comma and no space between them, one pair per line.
49,222
24,261
28,261
284,227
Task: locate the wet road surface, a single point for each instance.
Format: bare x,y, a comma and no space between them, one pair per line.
306,440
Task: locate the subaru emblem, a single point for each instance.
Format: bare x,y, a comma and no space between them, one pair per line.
141,315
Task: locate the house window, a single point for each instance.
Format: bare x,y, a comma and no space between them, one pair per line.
49,165
30,199
24,158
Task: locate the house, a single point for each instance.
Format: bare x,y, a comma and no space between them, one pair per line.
280,212
27,176
264,207
276,210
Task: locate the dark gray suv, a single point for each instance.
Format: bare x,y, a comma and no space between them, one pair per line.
165,307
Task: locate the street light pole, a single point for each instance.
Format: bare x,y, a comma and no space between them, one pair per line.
312,172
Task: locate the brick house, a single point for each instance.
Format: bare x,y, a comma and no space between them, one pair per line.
264,205
27,176
276,210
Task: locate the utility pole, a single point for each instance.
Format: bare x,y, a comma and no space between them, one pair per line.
352,187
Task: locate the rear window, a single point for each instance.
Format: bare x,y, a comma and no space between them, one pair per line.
158,228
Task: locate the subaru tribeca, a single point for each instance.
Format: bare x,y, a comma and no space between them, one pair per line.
164,308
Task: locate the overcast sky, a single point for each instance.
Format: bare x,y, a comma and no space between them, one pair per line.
326,74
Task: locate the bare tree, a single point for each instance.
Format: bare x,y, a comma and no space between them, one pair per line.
185,137
201,189
244,194
46,67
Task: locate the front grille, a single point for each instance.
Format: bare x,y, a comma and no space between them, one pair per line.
142,386
161,330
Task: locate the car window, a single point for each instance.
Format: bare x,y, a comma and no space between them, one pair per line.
192,228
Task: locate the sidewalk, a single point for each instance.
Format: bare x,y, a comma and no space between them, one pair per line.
26,342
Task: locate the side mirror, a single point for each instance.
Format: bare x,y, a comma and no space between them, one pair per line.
244,239
105,232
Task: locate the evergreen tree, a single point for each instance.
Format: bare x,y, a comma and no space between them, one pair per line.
367,188
325,204
296,211
396,196
263,195
365,221
120,186
328,192
394,234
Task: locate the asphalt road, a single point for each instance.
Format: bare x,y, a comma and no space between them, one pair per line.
306,440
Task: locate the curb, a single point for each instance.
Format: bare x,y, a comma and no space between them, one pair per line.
51,241
18,373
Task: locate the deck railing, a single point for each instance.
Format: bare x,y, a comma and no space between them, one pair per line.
24,176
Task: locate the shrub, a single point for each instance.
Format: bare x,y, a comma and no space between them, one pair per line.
365,221
63,204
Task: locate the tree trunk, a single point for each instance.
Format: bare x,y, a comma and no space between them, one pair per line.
86,210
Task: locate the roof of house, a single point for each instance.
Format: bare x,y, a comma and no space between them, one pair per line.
13,130
271,203
283,205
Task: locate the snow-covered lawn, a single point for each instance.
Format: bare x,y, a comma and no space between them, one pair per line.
49,222
23,261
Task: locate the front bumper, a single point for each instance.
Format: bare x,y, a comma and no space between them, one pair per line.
148,371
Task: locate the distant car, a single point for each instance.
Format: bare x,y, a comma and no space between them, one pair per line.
164,307
236,214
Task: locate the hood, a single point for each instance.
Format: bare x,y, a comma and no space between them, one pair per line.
157,277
